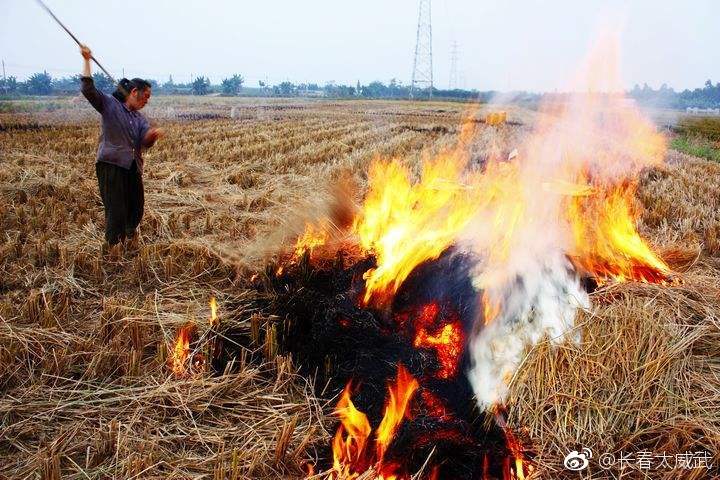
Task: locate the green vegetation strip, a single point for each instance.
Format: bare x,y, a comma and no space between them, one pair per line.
697,146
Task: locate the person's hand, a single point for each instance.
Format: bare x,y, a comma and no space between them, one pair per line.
153,135
85,52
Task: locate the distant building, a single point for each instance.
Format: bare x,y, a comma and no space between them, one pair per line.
702,111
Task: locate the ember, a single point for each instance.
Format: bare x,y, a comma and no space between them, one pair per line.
447,341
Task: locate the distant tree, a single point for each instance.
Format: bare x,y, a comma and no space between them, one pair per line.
9,85
285,89
66,85
200,86
169,86
103,82
333,90
232,85
375,90
39,84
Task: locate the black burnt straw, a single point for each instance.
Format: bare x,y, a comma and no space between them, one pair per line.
334,340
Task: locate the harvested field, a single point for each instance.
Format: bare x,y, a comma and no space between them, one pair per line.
85,388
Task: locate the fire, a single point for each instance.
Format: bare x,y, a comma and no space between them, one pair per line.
349,451
351,455
517,455
491,308
213,312
447,342
606,243
181,351
404,223
400,396
314,236
567,192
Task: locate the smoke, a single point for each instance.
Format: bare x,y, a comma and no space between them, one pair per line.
546,206
540,300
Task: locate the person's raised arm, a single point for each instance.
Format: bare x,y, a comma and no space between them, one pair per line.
87,88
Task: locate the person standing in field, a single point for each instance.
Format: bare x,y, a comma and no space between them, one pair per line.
119,163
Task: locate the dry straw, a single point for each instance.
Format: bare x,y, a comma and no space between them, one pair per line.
85,389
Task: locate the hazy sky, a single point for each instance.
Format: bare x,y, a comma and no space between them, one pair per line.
511,44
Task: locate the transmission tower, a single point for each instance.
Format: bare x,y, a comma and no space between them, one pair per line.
453,84
422,76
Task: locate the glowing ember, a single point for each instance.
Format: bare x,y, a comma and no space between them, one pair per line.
434,405
181,351
213,312
448,345
516,450
351,455
447,341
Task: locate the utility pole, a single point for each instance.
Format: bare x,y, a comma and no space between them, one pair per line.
453,84
5,85
422,75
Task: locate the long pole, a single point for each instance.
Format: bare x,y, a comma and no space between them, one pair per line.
5,85
45,7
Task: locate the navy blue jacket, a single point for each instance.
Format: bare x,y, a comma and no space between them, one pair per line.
122,129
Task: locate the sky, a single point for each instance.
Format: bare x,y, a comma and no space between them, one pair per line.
505,45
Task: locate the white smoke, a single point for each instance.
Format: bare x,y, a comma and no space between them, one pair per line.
527,286
541,299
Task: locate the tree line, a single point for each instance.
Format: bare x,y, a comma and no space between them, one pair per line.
706,97
42,83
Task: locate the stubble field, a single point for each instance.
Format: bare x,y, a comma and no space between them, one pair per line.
85,388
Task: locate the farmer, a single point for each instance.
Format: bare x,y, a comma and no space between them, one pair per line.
119,163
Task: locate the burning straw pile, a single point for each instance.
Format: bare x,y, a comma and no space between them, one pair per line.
521,286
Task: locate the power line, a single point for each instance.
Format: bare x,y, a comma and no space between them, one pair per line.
422,75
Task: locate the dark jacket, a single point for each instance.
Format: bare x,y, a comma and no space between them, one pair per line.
122,129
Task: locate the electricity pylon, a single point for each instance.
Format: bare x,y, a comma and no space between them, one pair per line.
422,76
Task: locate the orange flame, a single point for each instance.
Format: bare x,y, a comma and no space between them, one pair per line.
448,344
349,451
517,454
447,341
314,236
606,243
351,457
395,409
213,312
404,223
181,351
